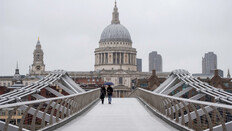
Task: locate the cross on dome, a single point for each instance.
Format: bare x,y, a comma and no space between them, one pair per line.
38,42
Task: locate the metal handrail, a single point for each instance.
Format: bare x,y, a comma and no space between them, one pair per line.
197,115
39,114
44,100
190,100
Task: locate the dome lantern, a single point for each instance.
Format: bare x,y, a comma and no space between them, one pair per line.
115,15
115,32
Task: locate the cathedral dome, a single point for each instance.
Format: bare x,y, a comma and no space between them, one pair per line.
115,32
115,50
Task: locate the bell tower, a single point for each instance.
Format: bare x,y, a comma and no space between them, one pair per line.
38,67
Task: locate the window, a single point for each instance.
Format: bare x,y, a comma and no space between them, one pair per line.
19,112
37,67
129,56
37,57
103,58
114,58
226,84
120,80
144,85
173,92
117,58
122,58
106,58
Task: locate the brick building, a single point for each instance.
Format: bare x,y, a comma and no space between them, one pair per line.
219,82
151,82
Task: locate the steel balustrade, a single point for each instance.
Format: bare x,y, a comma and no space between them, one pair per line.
194,114
47,112
64,107
47,109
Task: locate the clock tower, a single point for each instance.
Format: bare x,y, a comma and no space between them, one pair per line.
38,67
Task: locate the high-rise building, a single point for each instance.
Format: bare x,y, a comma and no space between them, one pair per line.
38,67
155,62
209,63
139,64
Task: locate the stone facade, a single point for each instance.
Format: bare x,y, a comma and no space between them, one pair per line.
115,58
8,83
122,79
115,50
38,67
118,77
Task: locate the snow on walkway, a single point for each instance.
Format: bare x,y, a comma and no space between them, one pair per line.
124,114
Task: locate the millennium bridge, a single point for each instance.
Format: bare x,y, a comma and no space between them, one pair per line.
165,108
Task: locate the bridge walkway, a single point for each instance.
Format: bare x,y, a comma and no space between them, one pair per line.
124,114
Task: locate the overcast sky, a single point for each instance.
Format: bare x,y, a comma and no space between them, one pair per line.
69,30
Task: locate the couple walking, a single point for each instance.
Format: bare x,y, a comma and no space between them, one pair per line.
109,91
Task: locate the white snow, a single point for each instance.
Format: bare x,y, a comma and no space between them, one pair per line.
124,114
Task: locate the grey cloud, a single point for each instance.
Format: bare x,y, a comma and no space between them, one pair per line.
180,30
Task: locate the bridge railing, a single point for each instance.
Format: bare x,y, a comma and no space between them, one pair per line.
38,114
196,115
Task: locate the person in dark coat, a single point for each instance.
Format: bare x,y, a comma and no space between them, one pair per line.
109,93
103,94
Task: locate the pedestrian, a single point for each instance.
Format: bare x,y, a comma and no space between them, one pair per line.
109,93
103,93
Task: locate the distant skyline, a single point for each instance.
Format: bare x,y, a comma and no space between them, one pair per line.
155,62
69,30
209,63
